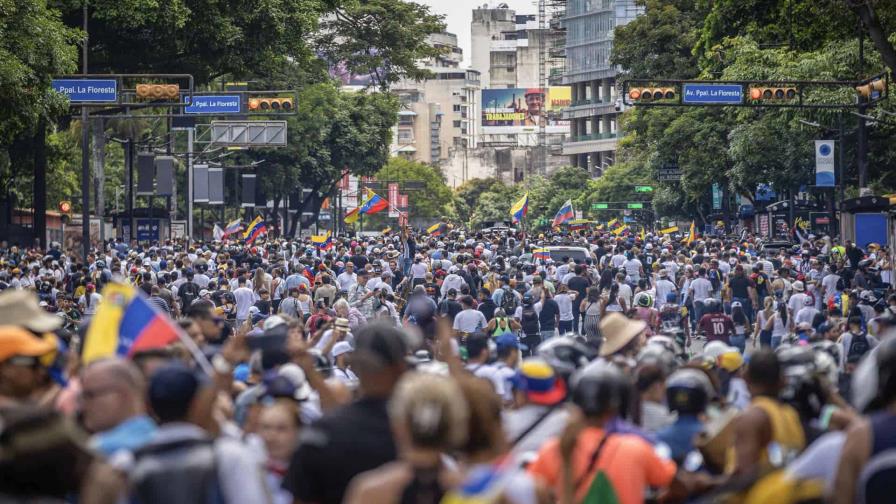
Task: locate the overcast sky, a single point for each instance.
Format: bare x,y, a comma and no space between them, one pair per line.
459,13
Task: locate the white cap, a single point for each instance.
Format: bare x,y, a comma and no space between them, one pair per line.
294,373
341,348
272,322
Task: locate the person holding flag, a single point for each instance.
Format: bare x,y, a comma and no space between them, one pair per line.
565,214
256,228
373,203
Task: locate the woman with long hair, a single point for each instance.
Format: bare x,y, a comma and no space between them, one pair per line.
591,308
260,280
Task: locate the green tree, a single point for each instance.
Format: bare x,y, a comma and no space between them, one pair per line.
434,201
659,44
35,46
383,39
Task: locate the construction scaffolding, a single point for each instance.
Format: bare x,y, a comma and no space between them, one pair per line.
551,63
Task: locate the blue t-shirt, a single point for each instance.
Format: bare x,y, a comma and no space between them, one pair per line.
680,435
129,435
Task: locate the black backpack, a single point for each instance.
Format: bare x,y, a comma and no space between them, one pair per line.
858,347
508,301
187,293
529,321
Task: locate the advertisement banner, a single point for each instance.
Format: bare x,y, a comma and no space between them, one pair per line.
824,163
403,206
519,110
393,199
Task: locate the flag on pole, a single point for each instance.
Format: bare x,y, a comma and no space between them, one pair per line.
255,229
218,233
519,209
693,231
565,213
613,223
643,234
322,242
387,230
352,216
621,229
232,227
669,230
126,322
374,203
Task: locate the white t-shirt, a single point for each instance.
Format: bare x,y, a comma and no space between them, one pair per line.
346,281
829,284
490,373
796,302
663,288
418,270
469,321
245,298
633,268
95,300
625,293
702,288
564,302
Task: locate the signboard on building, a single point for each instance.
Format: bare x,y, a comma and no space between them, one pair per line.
517,110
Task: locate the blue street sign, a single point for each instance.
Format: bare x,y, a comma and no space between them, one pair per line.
693,93
88,90
147,229
218,104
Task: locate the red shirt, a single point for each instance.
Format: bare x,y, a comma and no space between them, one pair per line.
716,326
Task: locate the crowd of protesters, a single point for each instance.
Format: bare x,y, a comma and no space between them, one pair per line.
469,367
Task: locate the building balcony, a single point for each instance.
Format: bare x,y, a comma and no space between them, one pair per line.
596,142
588,108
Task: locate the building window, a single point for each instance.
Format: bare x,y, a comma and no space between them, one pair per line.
455,108
457,124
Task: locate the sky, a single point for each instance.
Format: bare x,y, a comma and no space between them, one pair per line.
459,13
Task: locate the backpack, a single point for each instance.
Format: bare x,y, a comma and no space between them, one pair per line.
713,277
178,472
187,293
858,347
529,321
508,301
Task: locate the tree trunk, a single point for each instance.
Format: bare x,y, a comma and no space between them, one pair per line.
872,26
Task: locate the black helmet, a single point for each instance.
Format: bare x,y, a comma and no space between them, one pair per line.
565,354
322,363
688,391
601,389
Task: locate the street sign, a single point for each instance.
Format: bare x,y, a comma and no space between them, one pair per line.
716,196
249,133
600,206
668,173
635,206
708,93
87,90
643,188
213,104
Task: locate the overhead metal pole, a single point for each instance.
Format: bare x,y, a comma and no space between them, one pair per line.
85,152
189,195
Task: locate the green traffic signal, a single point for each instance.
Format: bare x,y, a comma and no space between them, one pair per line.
643,188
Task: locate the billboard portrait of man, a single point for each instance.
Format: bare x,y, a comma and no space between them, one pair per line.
534,107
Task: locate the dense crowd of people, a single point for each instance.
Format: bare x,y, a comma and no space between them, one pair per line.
469,367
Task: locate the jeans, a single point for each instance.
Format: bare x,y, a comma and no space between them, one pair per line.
738,342
565,326
547,334
776,341
698,311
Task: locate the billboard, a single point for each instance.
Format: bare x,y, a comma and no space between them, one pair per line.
519,110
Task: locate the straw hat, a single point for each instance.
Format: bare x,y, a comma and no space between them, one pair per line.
20,308
618,330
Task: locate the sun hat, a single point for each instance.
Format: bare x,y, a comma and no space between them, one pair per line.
20,308
618,330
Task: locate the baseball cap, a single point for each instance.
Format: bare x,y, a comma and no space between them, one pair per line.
509,340
18,341
272,322
538,380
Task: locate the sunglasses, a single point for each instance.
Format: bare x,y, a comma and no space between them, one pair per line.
24,361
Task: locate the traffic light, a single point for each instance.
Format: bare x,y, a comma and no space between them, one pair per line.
157,92
65,208
872,90
648,94
772,93
270,104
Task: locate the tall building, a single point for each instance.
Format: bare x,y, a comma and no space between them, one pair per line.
594,109
437,115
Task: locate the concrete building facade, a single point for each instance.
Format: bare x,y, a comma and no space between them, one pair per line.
595,107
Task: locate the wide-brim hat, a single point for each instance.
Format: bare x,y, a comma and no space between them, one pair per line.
618,330
20,308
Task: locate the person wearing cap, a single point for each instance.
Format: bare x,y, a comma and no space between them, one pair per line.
342,354
538,393
508,348
22,373
180,460
329,454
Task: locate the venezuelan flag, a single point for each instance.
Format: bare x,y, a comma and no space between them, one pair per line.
322,242
612,223
519,209
232,227
692,234
669,230
564,214
374,203
256,228
125,322
437,229
352,216
541,253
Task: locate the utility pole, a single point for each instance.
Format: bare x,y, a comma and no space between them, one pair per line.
85,152
862,132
